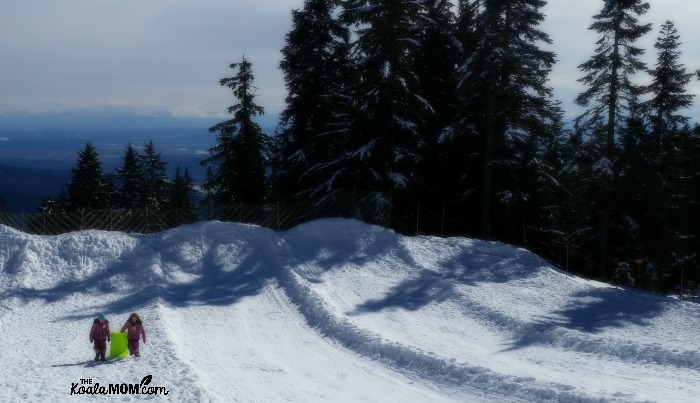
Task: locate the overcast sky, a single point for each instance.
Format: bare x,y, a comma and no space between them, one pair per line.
166,56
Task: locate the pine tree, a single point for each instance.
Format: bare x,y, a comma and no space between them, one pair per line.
668,90
609,72
458,148
89,187
157,182
183,198
663,190
314,125
50,205
387,142
239,159
434,66
681,213
131,176
610,94
507,115
637,200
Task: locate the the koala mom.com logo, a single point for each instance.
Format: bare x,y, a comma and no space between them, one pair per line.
88,387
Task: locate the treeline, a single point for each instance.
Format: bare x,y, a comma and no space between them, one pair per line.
435,103
439,103
140,183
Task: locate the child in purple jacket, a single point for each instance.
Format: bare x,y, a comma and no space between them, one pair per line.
135,330
99,335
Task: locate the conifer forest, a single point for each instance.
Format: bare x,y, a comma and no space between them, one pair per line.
447,104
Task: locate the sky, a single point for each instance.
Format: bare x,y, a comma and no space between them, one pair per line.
165,57
332,310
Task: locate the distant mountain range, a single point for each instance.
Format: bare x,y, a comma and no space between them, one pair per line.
115,120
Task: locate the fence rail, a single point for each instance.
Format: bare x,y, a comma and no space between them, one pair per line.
379,208
371,207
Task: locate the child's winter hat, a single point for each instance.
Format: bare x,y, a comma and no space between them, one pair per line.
101,316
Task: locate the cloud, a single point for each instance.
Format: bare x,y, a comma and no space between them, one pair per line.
159,53
188,111
168,55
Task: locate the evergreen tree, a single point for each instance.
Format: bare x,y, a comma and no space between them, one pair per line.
157,183
507,116
50,205
434,66
132,178
183,198
458,149
89,187
316,66
610,94
663,190
681,213
637,200
239,159
660,163
668,90
156,186
387,143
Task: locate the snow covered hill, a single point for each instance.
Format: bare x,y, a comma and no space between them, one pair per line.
333,310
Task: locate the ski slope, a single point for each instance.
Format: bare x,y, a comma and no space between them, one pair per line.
333,310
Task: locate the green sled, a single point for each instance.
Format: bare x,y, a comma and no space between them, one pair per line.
118,345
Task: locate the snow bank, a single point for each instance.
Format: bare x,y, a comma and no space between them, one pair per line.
334,309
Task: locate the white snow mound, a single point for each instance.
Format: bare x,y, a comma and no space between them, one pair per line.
332,310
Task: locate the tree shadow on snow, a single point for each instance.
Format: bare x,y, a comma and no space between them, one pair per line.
590,313
477,262
156,269
411,295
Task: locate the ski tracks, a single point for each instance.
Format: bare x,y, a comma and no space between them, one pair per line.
419,364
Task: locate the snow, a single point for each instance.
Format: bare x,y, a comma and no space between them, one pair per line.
332,310
603,167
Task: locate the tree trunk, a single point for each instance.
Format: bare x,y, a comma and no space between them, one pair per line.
488,169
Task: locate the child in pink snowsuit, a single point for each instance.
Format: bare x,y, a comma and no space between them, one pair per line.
99,335
135,330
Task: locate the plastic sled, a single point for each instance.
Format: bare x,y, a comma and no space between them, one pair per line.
118,345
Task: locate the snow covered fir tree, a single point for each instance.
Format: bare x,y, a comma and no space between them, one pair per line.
438,117
239,158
